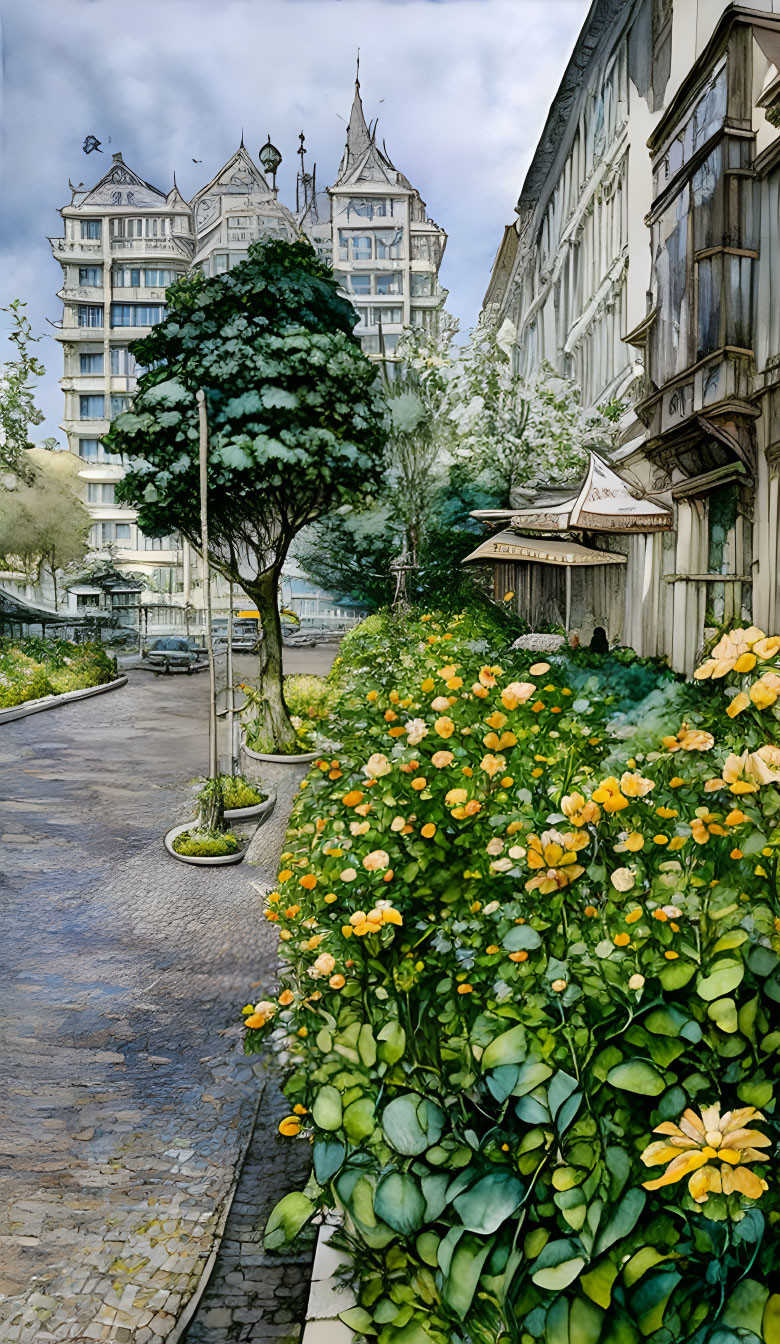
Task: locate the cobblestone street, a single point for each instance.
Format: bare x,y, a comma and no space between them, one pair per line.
126,1100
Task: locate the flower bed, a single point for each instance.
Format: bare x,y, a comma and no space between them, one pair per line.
534,1004
33,668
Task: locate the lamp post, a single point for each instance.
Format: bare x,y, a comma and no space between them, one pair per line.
270,159
204,541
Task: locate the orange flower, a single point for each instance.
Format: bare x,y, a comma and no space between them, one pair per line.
465,988
517,693
621,939
488,675
701,1139
428,830
444,727
309,881
555,856
492,764
290,1126
337,982
419,783
496,720
285,874
441,759
286,997
579,812
352,798
376,860
481,692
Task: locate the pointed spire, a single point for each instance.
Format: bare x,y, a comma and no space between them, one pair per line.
358,134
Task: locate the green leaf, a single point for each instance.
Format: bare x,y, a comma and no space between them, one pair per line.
755,1092
585,1322
286,1219
491,1200
623,1220
399,1202
723,978
723,1013
558,1265
366,1046
427,1246
508,1048
597,1283
675,974
649,1302
328,1157
771,1322
392,1042
636,1075
521,938
639,1264
531,1075
434,1188
412,1123
326,1110
744,1309
359,1320
465,1268
360,1119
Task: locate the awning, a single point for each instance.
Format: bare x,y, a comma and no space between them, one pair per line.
603,504
541,550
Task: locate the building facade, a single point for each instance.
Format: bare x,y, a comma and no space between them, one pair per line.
124,241
644,265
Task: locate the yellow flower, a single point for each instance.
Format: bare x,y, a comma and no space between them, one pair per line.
444,727
700,1140
325,963
496,720
622,879
376,860
762,693
634,784
555,856
488,675
559,986
376,766
441,759
740,702
729,654
689,739
492,765
455,797
517,693
508,596
290,1126
609,796
579,812
767,648
621,939
538,670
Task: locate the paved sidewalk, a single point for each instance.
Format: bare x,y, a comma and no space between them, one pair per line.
125,1099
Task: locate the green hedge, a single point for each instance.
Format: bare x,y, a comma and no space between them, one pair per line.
33,668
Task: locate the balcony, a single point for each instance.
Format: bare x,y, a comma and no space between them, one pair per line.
174,246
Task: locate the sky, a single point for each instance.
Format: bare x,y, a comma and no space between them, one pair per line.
461,89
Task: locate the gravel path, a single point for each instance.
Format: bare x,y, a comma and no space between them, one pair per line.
125,1101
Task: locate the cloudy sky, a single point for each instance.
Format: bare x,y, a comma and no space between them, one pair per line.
461,89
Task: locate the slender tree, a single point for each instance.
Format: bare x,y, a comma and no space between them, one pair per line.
296,425
17,395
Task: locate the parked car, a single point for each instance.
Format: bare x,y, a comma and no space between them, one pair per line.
246,634
174,651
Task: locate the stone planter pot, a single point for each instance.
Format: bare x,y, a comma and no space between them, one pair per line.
254,813
278,759
212,861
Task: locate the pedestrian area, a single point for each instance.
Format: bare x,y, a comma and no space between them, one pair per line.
126,1103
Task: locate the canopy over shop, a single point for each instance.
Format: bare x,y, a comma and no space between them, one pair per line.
562,580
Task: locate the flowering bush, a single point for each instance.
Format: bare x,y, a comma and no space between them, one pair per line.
507,969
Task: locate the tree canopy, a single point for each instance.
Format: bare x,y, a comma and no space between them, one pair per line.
43,523
296,423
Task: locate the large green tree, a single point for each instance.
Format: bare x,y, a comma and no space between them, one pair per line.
43,523
295,417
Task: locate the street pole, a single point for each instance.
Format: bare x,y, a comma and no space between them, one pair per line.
204,541
230,714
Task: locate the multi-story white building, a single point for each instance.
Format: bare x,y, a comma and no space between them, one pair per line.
643,264
124,241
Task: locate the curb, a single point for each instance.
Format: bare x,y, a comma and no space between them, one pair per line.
185,1318
53,701
328,1294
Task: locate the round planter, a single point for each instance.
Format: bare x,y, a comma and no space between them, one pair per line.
213,861
252,813
279,759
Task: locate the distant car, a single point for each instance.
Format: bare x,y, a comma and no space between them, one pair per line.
174,651
246,635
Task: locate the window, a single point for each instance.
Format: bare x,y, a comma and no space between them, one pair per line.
136,314
88,449
90,315
91,363
90,228
422,286
100,494
122,531
127,228
390,283
238,221
368,208
157,543
119,405
91,407
89,601
386,315
158,277
355,246
362,317
90,275
127,277
122,362
361,284
388,244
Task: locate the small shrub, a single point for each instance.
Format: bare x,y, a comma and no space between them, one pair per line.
308,697
205,845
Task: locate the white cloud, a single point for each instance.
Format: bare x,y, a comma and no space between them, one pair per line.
461,88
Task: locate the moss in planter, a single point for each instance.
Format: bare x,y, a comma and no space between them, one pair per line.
205,845
238,792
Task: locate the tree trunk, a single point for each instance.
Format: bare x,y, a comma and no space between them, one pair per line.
276,730
211,809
